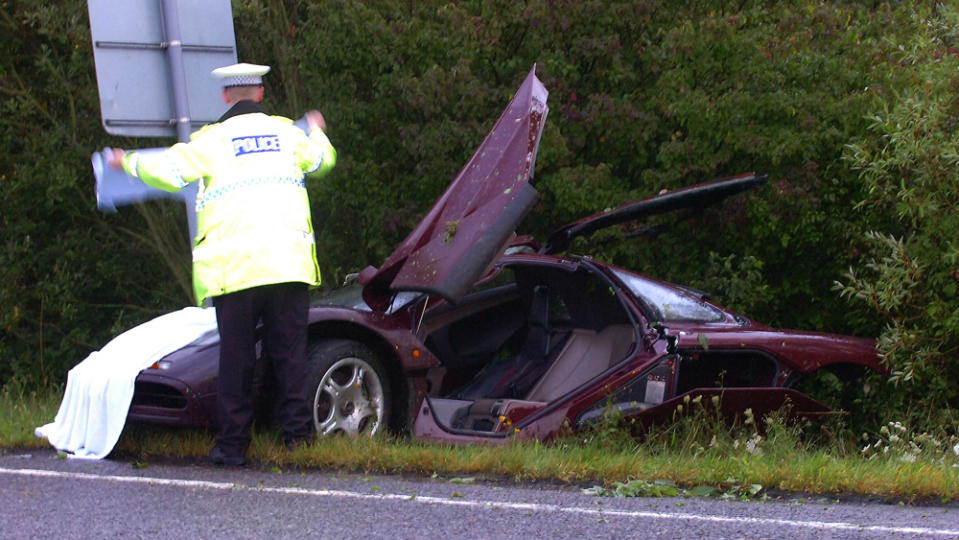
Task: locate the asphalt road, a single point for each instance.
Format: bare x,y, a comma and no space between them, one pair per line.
43,496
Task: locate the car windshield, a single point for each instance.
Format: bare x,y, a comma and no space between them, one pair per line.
666,303
351,296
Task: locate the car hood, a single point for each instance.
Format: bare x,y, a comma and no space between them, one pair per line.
691,197
473,221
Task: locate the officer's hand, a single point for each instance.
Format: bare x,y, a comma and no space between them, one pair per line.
115,157
315,120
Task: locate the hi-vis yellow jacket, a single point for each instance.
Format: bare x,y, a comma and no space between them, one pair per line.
253,214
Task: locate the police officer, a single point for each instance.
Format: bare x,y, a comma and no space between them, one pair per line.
254,253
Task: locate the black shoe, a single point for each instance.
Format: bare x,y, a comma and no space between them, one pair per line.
221,459
296,442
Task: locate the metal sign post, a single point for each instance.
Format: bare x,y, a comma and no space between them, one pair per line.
174,53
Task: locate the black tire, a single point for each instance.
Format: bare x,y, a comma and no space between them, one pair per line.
350,392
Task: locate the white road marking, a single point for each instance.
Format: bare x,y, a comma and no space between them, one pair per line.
499,505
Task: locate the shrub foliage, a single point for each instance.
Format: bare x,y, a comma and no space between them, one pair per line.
908,272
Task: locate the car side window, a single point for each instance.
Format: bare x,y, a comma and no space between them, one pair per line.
668,304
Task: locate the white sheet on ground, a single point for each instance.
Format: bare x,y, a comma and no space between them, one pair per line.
100,388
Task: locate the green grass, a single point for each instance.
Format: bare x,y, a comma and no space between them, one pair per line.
22,411
695,450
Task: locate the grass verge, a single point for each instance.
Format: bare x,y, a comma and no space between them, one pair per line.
695,451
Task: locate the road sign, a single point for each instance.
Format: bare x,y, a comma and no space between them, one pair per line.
154,59
136,46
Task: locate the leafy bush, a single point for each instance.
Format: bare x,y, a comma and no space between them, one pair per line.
71,277
907,272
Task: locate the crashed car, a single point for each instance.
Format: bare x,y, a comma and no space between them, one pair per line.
468,333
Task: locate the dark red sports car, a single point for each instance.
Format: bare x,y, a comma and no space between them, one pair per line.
468,333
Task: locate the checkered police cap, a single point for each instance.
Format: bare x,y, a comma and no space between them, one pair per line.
241,74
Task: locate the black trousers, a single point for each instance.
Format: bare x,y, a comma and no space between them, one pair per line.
283,308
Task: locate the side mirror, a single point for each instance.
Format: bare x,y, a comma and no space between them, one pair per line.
671,340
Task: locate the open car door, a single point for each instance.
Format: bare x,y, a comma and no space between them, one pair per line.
475,218
691,197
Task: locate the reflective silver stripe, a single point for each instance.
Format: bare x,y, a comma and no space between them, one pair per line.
243,243
210,196
177,180
135,164
316,163
180,182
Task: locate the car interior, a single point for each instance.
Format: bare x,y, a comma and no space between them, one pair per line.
526,337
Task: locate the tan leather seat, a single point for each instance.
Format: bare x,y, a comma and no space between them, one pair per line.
585,355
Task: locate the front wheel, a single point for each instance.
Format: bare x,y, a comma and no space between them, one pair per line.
351,393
